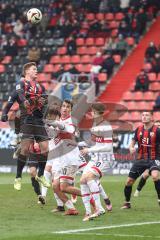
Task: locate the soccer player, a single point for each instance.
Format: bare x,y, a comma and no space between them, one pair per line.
69,158
102,138
31,98
145,174
147,136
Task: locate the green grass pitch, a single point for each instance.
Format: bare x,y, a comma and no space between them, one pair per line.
21,218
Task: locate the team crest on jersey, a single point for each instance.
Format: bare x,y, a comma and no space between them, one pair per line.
151,134
140,134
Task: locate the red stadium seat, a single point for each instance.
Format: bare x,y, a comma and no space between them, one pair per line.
62,50
128,96
56,67
75,59
149,96
138,96
89,41
155,86
48,68
86,59
100,41
130,41
102,77
55,59
90,16
147,66
145,106
80,41
131,105
2,68
109,16
152,76
80,67
113,24
117,58
91,50
119,16
43,77
114,33
6,60
135,116
65,59
158,77
156,116
100,16
22,42
125,116
87,68
67,67
82,50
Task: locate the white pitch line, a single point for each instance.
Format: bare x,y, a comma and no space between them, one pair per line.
105,227
116,235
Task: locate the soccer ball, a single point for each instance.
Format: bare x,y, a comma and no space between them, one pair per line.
34,15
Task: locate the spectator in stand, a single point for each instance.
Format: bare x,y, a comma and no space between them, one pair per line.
108,65
150,51
157,104
18,28
73,70
110,46
114,5
11,47
44,22
59,73
98,60
141,21
142,82
124,29
71,46
121,46
156,63
124,5
34,54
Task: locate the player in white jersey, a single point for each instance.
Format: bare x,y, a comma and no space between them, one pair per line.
69,159
102,139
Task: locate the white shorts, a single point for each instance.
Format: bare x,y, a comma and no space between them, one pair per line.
68,174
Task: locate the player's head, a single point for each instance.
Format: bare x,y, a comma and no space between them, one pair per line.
98,110
147,117
66,108
30,71
53,114
157,123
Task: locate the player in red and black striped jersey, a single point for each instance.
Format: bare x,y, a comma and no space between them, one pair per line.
31,97
147,136
145,174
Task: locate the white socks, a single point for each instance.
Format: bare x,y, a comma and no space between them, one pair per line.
58,200
94,189
86,197
69,204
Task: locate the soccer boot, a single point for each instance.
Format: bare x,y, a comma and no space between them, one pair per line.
17,184
126,205
41,200
108,204
58,209
136,194
71,212
87,218
159,202
43,181
96,214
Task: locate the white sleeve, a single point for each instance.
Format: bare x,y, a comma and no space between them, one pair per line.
69,128
105,148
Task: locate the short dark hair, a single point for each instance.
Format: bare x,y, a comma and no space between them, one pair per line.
27,66
99,107
53,111
68,101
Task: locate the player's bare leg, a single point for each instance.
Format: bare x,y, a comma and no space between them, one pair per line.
156,180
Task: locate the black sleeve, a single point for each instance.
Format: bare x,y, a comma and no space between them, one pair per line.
158,136
11,100
135,135
20,92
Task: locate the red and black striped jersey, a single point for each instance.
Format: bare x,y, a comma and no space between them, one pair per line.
148,142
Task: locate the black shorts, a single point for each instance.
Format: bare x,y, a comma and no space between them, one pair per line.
141,165
32,161
33,128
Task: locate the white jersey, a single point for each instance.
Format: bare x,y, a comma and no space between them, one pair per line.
66,139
